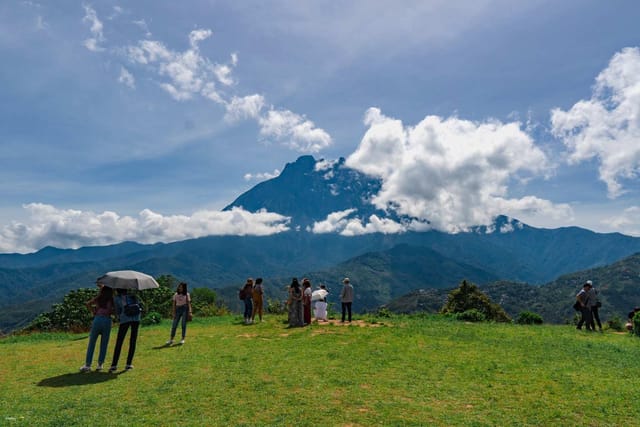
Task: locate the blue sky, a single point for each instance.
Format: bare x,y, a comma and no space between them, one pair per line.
141,120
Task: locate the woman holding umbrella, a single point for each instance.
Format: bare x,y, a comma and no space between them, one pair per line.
102,308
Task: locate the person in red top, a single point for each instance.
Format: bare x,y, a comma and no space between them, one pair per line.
102,308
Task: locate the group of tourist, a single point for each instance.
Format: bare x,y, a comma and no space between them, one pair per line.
252,294
128,311
301,298
588,303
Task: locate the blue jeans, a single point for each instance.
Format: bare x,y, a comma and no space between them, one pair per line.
248,307
101,326
181,313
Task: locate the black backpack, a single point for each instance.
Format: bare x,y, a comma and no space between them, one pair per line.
132,309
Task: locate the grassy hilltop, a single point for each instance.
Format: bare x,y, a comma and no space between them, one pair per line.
421,370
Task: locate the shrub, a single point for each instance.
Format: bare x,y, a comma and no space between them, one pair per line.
469,297
70,315
275,306
151,318
528,318
616,324
471,315
636,324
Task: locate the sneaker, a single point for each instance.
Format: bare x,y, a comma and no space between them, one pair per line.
169,342
100,367
128,367
181,342
113,368
85,368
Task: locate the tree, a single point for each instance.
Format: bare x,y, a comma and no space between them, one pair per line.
159,299
469,297
69,315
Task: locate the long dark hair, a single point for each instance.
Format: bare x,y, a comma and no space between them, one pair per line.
104,296
295,284
182,285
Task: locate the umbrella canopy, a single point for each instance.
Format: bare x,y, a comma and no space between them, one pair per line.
319,294
127,279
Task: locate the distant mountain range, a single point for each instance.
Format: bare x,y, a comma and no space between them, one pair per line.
383,267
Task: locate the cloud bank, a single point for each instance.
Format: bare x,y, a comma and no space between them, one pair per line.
607,126
68,228
453,173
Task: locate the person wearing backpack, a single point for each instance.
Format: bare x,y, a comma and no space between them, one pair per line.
128,310
181,310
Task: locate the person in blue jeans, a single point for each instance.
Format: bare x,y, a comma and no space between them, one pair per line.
102,308
181,309
126,321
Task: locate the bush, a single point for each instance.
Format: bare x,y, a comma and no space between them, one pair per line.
528,318
636,324
71,315
275,306
469,297
472,315
152,318
616,324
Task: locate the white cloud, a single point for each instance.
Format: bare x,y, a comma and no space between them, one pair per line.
188,72
126,78
142,24
341,222
48,225
96,29
261,176
607,126
451,172
244,107
628,222
294,131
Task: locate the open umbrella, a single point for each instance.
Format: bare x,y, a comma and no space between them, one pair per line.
318,294
127,279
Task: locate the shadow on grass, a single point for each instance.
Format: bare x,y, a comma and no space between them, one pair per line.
78,378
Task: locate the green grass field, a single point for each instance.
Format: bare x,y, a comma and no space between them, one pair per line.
413,371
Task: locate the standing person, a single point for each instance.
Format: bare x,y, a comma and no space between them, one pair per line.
127,320
346,298
321,305
594,305
258,299
295,304
306,301
247,298
102,308
585,306
181,309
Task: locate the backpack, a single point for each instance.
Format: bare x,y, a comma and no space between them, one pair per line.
241,294
133,309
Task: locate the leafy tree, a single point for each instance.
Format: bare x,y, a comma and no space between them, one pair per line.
529,318
469,297
69,315
159,300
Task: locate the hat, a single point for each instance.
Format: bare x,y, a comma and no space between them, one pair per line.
345,280
589,282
